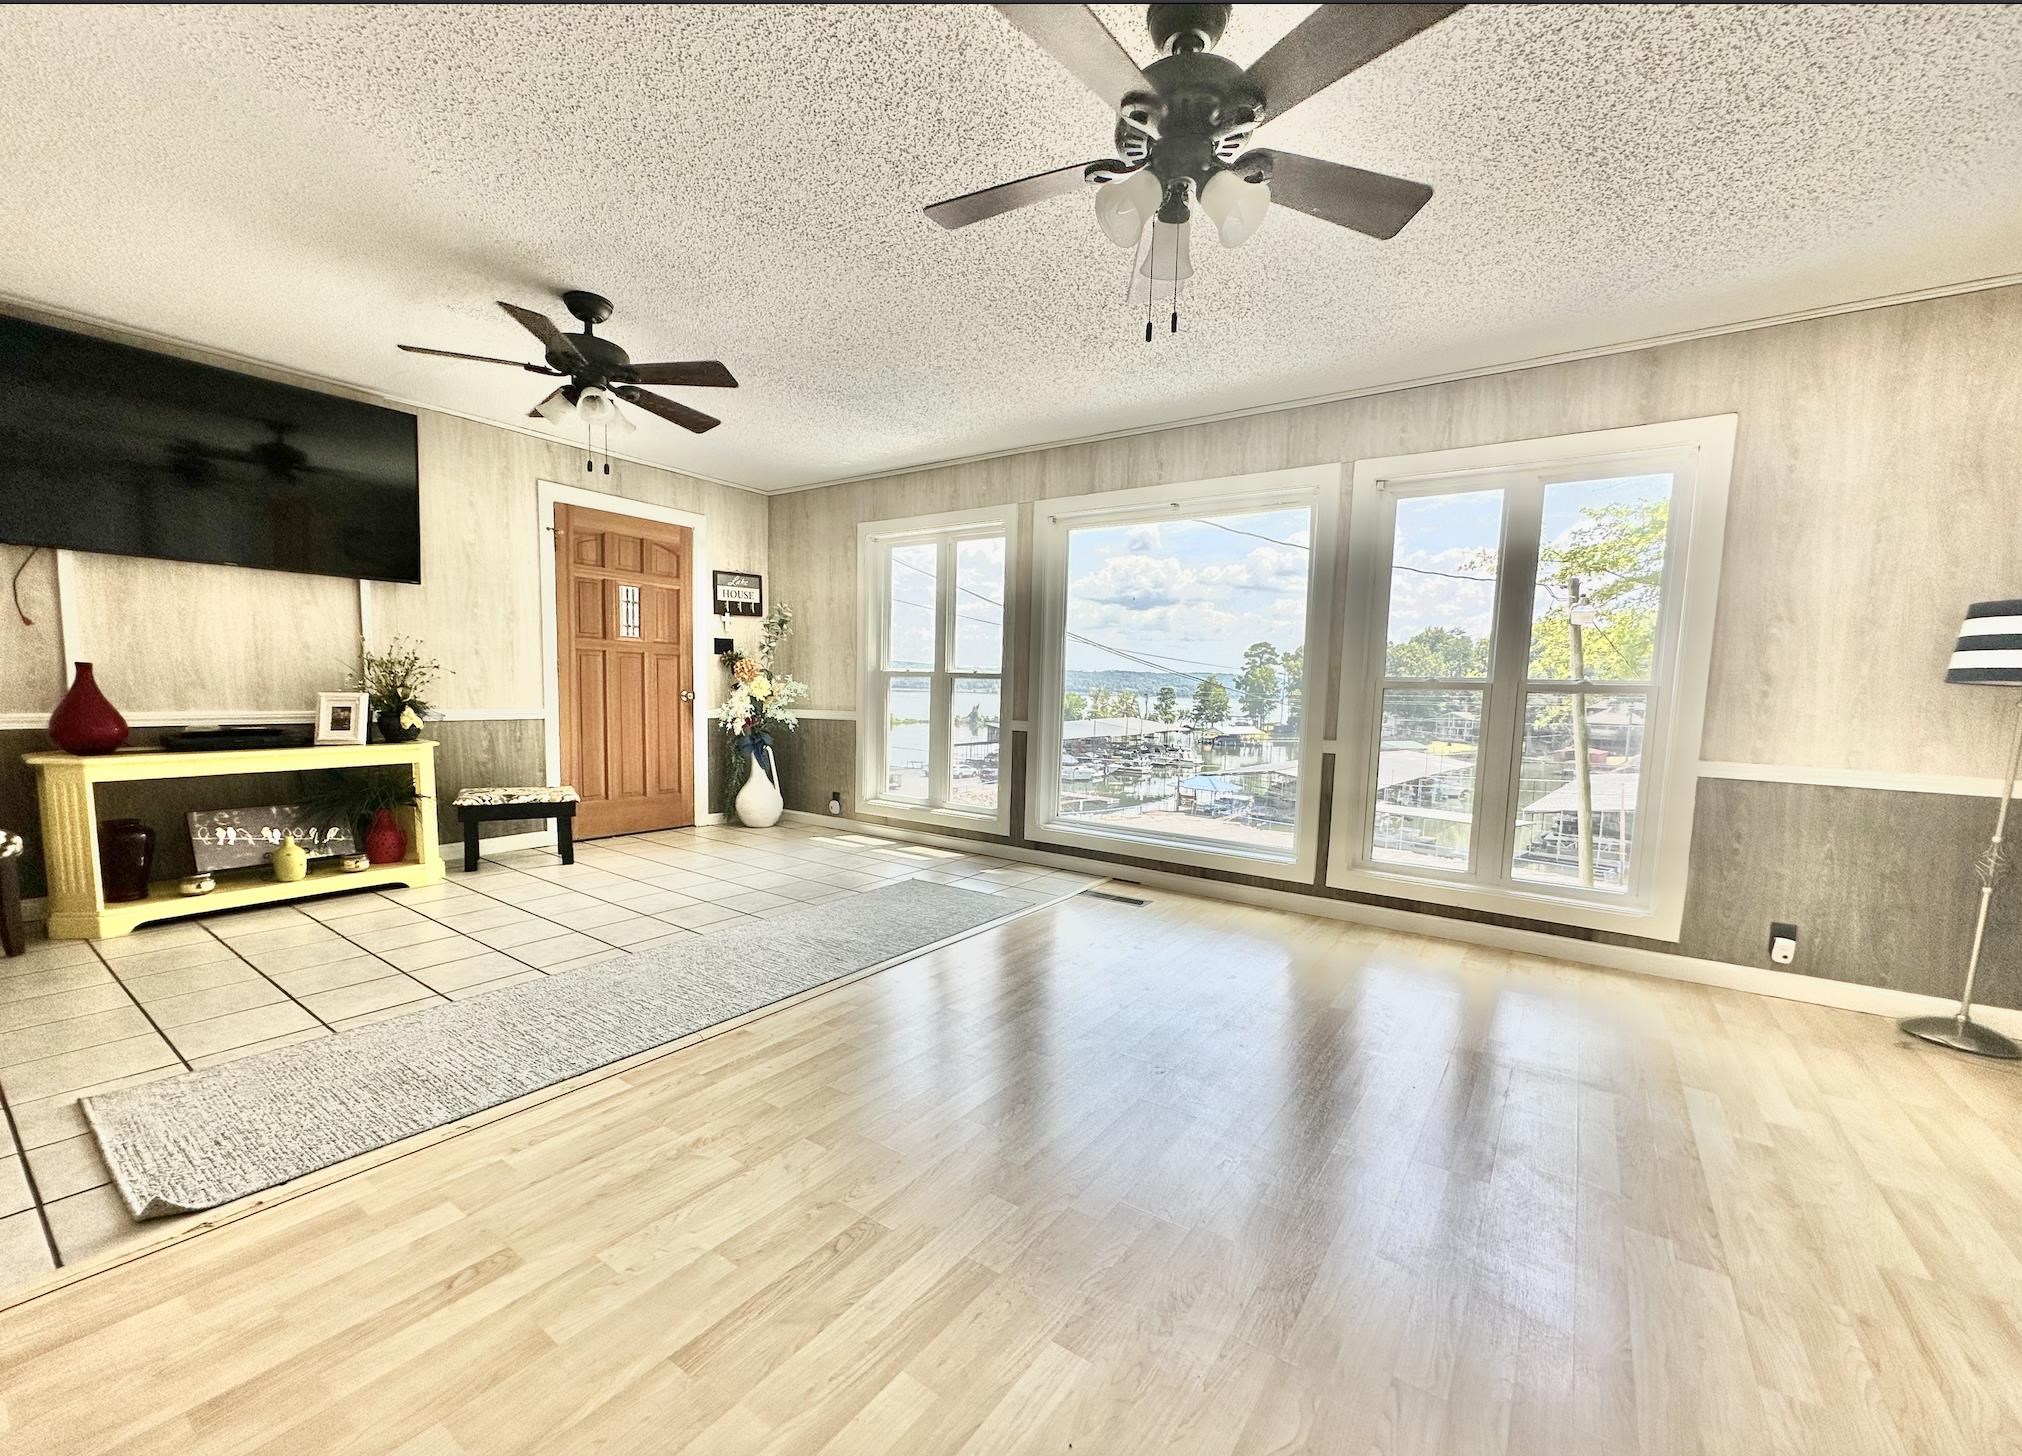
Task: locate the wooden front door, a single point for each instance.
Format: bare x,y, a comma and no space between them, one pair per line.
624,612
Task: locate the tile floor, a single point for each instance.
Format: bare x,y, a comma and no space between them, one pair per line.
87,1016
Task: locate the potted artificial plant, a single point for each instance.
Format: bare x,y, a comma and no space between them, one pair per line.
396,681
365,798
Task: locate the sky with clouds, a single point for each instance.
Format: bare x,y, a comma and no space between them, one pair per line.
1444,537
1190,595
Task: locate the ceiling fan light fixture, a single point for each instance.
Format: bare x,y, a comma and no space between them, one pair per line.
1236,207
1124,206
597,408
557,408
1169,259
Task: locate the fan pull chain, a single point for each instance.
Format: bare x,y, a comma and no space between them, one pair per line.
1150,279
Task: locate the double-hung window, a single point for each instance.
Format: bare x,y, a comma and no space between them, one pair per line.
933,739
1180,648
1525,684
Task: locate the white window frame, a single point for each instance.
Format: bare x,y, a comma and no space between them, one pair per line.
1317,488
1700,452
874,542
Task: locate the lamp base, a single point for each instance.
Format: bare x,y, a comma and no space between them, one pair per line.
1962,1034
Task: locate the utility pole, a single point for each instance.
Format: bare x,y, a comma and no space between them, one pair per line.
1583,774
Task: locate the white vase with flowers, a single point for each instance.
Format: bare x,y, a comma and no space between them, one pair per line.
759,706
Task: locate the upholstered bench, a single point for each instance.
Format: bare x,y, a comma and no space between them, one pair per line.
476,806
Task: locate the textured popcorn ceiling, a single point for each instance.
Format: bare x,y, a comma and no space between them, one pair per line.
310,185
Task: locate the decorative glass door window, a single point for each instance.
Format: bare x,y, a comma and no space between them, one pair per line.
934,646
628,611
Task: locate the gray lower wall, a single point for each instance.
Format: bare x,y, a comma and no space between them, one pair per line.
472,753
1880,883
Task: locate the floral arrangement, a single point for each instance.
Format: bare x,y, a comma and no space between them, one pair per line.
396,680
761,698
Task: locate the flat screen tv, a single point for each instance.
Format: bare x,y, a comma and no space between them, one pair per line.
104,447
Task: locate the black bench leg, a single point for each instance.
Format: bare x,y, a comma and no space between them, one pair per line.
13,935
565,837
469,845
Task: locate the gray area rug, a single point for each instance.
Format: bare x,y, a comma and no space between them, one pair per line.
208,1137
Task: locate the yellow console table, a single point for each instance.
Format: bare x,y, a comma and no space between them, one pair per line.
77,908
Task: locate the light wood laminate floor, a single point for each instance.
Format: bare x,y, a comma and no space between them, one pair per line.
1187,1178
78,1017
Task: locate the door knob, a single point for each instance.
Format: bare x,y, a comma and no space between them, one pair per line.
687,695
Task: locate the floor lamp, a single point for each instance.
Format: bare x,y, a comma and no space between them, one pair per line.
1990,654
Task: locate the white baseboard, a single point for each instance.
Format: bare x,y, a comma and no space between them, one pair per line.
1760,980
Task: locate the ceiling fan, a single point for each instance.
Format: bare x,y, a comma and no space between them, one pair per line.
599,372
1184,122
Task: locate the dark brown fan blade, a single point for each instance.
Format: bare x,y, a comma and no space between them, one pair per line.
1331,42
552,338
970,207
697,373
1368,202
477,358
1073,36
667,409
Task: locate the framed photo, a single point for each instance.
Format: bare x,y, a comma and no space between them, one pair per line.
342,717
739,593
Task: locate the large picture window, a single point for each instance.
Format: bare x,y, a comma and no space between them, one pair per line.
1522,707
1170,705
933,723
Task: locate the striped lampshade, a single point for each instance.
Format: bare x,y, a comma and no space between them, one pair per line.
1990,645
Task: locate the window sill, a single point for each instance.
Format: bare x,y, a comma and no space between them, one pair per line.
976,821
1659,921
1295,868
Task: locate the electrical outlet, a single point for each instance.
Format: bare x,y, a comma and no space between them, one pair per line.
1782,942
835,801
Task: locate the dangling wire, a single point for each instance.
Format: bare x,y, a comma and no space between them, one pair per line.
19,610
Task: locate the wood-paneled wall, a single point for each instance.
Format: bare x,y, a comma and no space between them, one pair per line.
1877,489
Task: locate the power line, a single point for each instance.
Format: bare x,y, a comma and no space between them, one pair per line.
1140,659
1449,575
1253,535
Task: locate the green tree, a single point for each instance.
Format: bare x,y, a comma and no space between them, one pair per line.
1166,708
975,719
1438,652
1074,708
1292,671
1615,555
1098,702
1258,686
1210,706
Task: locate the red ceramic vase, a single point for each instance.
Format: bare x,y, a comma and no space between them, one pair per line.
385,840
84,722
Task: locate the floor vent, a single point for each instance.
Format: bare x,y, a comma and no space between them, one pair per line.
1120,899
